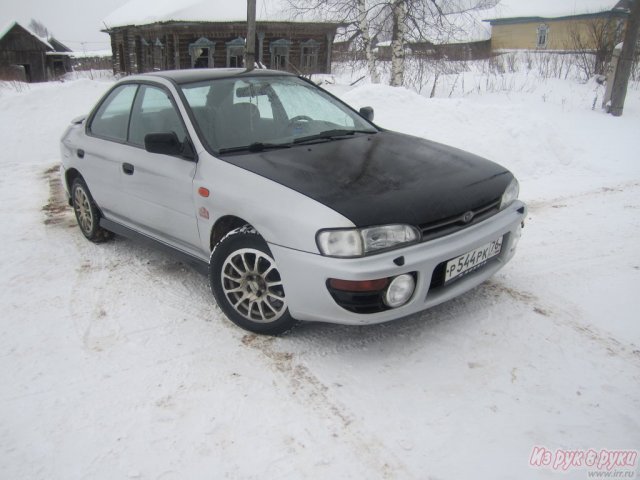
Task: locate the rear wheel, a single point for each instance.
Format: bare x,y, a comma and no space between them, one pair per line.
87,213
246,283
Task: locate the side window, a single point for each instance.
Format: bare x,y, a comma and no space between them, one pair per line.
112,118
153,112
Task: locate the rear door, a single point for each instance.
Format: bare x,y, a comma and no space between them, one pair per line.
102,149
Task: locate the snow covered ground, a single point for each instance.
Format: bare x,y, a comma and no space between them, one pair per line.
116,362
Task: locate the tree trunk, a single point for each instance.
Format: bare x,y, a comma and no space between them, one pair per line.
399,13
363,26
625,64
250,49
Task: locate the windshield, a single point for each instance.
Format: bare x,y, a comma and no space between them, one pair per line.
268,112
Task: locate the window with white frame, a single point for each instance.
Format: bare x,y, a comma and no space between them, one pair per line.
309,55
279,50
543,35
147,55
201,53
235,53
158,55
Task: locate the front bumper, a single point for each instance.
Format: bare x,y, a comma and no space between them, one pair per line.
305,274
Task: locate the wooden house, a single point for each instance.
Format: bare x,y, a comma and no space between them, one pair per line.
146,36
560,27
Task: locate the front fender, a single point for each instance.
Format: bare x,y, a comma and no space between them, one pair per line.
282,216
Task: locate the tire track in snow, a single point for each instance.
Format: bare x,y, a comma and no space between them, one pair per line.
87,305
536,206
307,389
107,266
563,317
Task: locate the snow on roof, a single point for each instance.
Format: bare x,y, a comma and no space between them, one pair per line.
549,8
13,23
87,54
466,27
144,12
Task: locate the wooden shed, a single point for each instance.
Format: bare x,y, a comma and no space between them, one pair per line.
23,55
27,57
146,36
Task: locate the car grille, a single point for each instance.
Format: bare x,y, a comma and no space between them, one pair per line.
453,224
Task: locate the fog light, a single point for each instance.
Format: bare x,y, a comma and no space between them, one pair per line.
400,290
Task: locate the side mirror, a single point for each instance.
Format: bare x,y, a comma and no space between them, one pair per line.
168,144
367,113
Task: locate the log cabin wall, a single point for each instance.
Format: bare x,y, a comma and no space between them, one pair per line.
175,45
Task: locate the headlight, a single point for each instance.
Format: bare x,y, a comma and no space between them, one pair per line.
357,242
510,195
340,243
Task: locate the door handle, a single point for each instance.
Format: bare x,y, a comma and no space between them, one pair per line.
80,153
127,168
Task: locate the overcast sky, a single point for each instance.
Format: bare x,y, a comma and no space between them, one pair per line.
70,21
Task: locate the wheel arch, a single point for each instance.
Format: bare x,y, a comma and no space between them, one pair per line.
223,226
69,176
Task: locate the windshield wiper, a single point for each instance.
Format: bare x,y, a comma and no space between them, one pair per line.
255,147
326,135
331,135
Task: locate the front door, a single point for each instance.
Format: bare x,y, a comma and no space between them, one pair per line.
158,189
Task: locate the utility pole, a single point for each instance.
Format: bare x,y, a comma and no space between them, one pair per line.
250,49
625,64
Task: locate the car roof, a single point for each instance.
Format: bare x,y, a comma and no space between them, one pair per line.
203,74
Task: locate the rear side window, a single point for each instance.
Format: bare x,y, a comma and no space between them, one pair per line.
112,118
153,112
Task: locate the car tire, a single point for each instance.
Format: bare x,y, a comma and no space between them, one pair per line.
246,283
87,213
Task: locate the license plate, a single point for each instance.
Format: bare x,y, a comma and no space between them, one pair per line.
472,260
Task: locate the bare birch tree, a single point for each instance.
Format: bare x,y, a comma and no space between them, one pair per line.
401,21
362,24
398,39
436,21
39,28
354,13
593,42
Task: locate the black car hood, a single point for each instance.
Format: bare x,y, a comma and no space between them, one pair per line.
383,178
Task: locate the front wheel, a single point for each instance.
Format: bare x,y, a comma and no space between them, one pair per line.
246,283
